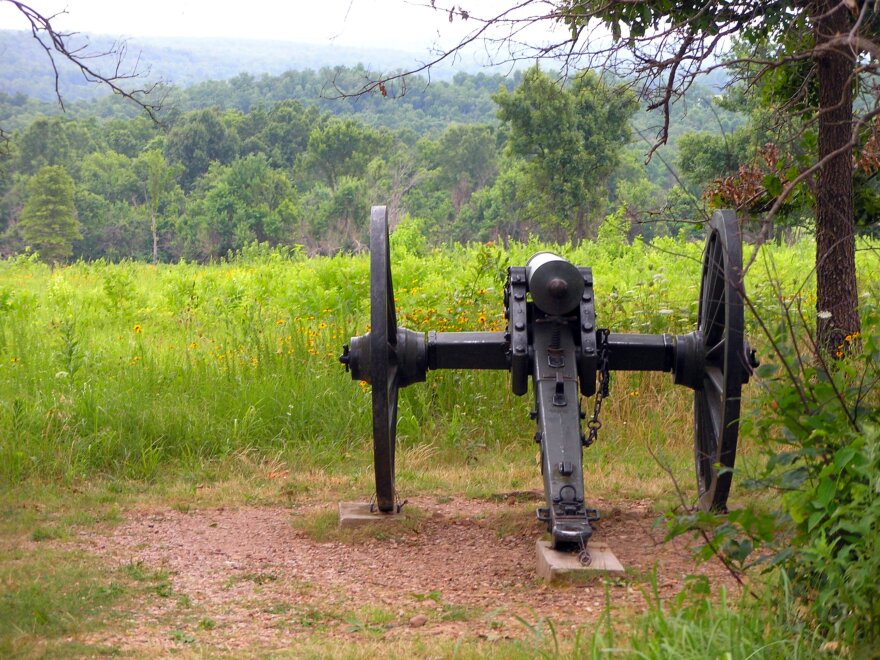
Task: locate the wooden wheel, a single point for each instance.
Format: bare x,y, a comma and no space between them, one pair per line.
720,330
383,363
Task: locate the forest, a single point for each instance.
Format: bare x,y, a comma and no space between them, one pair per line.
285,160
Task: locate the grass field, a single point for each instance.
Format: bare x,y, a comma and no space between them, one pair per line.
185,386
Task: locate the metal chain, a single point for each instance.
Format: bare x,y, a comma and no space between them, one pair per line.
584,556
603,388
398,504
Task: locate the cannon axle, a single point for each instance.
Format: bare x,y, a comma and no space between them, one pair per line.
417,353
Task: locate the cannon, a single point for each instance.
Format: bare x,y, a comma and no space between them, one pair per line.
552,337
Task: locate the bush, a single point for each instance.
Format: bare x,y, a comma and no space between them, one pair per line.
817,424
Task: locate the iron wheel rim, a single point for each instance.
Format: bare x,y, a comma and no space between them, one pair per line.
383,364
720,327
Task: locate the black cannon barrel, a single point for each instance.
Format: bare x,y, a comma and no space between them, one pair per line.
467,350
555,283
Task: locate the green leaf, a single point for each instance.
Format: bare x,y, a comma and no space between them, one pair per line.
795,478
773,185
615,31
825,493
843,456
738,550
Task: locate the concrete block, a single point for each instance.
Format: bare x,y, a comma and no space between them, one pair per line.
554,565
357,514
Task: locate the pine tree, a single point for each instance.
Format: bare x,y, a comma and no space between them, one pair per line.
48,219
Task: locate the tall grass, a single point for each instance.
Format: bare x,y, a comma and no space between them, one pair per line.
130,370
695,624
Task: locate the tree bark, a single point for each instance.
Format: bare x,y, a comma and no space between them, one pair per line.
836,287
154,230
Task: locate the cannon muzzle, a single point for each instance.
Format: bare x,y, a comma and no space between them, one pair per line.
556,284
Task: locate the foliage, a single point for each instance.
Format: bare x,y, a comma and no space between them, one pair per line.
817,425
48,219
823,438
240,203
569,140
698,623
129,369
197,140
159,189
165,192
342,148
757,184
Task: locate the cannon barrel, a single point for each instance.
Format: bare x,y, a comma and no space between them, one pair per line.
555,283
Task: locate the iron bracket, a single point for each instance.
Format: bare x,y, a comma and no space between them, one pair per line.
518,328
587,353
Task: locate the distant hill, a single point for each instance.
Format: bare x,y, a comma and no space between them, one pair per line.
25,69
245,75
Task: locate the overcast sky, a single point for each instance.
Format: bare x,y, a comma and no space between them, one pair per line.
395,24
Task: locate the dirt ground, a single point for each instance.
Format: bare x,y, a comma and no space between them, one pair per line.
250,578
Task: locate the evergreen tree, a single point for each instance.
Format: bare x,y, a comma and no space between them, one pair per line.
48,219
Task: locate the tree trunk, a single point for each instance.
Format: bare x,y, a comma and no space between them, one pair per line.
154,230
836,288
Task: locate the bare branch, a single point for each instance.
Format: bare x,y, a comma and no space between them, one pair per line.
56,43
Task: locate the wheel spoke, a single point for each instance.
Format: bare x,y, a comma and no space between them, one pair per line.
705,441
715,314
713,405
392,315
393,390
715,378
715,350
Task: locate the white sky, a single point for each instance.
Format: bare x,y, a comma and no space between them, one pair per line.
394,24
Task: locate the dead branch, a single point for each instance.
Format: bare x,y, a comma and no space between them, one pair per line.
59,44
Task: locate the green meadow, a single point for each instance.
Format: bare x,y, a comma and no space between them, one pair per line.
135,371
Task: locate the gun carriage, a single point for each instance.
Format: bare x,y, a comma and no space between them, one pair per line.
552,337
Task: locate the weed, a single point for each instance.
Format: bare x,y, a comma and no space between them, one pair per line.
190,366
181,637
454,612
312,617
48,534
259,578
